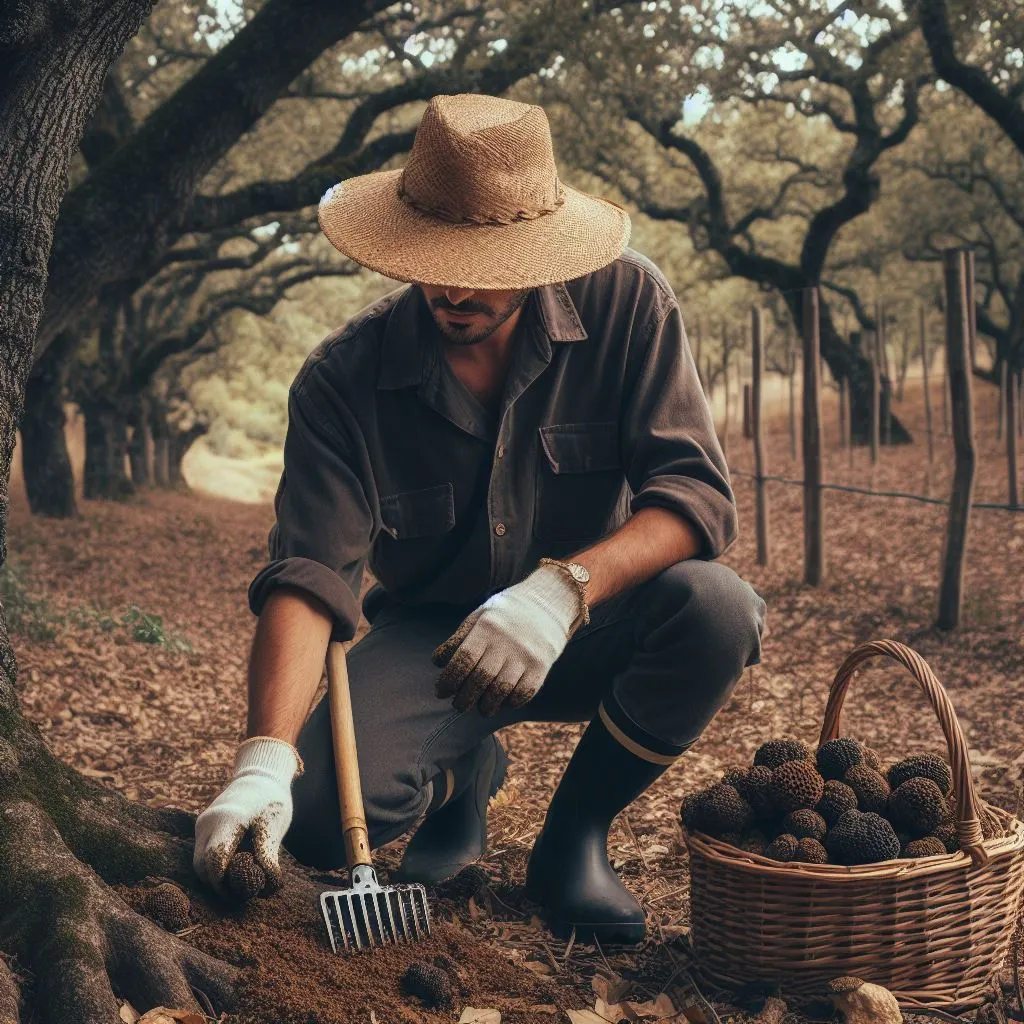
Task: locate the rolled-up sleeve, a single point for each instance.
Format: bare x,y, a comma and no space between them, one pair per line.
671,451
325,521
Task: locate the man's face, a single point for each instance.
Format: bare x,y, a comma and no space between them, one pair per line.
465,316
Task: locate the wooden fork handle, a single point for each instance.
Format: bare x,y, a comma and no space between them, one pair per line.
346,766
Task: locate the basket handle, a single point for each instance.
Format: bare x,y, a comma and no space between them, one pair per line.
967,803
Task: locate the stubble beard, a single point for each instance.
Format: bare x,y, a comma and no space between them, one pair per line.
470,336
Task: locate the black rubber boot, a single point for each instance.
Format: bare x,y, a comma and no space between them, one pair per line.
568,873
455,834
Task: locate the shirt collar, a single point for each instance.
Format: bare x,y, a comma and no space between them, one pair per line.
407,352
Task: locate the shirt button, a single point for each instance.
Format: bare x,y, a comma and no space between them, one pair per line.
500,529
501,451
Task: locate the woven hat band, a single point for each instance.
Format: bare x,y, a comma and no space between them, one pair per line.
482,160
454,216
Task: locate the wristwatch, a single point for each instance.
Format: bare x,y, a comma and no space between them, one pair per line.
580,575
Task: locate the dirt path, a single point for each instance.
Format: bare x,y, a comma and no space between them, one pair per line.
160,723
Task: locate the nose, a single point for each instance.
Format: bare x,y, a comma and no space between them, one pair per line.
457,295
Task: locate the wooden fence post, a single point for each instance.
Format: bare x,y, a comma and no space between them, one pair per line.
844,395
924,381
1005,383
791,367
871,340
761,496
748,430
725,379
972,309
814,543
958,354
1013,465
885,376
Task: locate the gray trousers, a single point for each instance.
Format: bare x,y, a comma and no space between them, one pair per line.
657,661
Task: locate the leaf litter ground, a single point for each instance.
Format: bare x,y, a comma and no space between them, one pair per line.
133,638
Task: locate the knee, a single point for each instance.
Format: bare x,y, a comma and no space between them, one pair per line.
709,601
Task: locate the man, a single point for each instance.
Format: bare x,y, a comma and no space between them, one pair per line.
519,448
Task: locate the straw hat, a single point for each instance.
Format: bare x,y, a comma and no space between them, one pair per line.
477,205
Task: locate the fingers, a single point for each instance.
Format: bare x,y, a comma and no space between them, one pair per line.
523,692
481,678
495,697
267,832
443,652
216,842
459,657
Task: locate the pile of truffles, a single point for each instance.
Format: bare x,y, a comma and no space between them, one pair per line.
841,806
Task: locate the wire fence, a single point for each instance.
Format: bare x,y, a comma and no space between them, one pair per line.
875,494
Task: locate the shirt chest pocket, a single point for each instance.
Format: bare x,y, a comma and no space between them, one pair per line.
425,512
579,480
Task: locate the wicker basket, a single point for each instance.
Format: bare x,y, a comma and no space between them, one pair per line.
932,929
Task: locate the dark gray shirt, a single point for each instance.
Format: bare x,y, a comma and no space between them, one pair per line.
390,461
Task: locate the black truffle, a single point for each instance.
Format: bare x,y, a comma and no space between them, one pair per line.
836,798
782,848
836,757
718,811
870,787
917,806
245,877
168,906
860,837
428,983
796,784
804,824
922,766
775,752
810,851
929,846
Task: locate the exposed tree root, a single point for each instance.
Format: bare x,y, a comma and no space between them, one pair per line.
81,941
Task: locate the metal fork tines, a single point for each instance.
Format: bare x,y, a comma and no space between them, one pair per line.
369,914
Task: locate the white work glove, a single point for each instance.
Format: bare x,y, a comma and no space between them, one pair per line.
502,652
258,800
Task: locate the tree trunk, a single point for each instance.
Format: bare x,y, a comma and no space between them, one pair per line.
45,463
140,443
179,444
62,838
844,359
105,444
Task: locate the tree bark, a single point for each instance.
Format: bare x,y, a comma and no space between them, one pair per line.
140,443
45,463
105,443
63,837
178,445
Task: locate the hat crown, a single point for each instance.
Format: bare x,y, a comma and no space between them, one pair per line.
482,160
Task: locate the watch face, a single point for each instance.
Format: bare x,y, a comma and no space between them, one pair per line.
580,572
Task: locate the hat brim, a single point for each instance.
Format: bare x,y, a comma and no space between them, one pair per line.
365,219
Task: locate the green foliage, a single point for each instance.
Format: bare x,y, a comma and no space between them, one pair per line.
26,615
34,617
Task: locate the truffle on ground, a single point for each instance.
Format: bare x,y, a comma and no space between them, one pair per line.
917,806
168,906
836,798
782,848
428,983
775,752
245,878
804,824
836,757
929,846
862,837
468,882
871,788
810,851
923,766
795,785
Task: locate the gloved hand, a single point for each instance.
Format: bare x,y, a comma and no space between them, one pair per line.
258,800
503,651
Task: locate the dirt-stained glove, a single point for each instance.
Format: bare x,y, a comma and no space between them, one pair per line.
258,800
502,652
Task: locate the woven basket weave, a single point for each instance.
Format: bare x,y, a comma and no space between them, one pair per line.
932,930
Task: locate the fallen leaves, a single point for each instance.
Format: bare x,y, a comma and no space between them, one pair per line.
159,1015
471,1015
